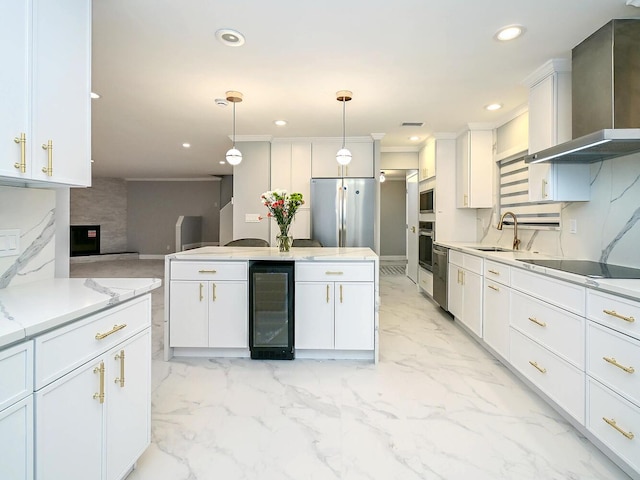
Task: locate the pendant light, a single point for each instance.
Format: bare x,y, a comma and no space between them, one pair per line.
234,156
344,155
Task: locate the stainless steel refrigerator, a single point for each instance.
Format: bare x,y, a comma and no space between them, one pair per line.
342,211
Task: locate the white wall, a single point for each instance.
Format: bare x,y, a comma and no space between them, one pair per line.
33,212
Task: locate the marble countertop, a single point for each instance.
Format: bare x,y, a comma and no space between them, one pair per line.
272,253
627,287
29,309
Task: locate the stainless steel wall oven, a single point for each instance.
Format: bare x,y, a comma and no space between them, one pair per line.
425,244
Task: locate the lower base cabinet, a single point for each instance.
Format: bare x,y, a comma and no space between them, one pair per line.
16,441
495,322
106,402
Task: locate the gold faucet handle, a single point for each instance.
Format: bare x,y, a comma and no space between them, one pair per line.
516,244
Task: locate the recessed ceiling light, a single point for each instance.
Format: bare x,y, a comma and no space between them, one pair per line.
230,37
94,95
414,138
280,123
510,32
186,145
493,106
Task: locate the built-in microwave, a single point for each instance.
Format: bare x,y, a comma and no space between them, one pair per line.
426,201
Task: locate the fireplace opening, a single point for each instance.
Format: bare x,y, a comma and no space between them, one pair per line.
85,240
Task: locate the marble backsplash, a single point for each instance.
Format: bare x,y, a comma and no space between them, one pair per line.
608,226
32,211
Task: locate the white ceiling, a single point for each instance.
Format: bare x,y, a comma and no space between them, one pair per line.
159,67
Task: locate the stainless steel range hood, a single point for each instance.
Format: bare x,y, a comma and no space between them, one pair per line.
605,97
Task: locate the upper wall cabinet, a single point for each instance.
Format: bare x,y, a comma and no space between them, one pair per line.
427,160
474,169
324,164
549,125
46,116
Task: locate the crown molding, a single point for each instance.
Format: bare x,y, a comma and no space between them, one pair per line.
555,65
178,179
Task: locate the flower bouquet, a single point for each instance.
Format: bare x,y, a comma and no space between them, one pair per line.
283,207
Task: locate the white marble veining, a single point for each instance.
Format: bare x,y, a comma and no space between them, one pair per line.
29,309
271,253
627,287
437,406
32,211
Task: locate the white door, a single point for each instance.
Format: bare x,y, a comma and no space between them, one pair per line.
412,227
314,315
354,313
228,314
188,309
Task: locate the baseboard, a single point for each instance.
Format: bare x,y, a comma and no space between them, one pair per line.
151,257
393,258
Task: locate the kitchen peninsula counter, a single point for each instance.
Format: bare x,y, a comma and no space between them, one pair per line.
336,301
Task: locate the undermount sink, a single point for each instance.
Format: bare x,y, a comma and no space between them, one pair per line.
492,249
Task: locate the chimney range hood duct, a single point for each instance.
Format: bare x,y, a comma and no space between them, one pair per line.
605,97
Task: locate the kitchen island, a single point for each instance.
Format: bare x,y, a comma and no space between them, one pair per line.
336,296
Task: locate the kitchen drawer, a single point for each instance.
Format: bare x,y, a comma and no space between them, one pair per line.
558,292
209,270
334,272
605,404
616,312
61,350
497,272
556,329
466,261
621,369
16,372
425,280
558,379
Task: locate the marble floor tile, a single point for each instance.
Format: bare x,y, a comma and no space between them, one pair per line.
437,406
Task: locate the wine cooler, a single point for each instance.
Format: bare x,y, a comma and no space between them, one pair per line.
271,310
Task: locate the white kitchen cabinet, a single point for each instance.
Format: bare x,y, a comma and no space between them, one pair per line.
16,412
94,421
211,311
425,281
465,289
291,171
16,440
474,169
49,92
495,316
550,125
334,306
427,160
324,164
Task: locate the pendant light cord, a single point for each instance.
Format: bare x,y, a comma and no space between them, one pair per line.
344,103
234,124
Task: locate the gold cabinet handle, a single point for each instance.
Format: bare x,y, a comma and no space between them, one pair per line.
462,273
329,272
544,189
459,281
22,140
120,379
537,322
100,336
327,293
207,271
413,229
466,199
493,288
538,367
613,313
49,148
340,293
100,395
612,361
612,422
201,297
213,292
494,272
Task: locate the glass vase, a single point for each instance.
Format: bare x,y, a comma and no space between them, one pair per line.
284,240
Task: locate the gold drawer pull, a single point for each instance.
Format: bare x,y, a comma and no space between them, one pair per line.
493,288
329,272
207,271
540,369
100,336
120,380
613,313
494,272
612,361
537,322
612,422
100,370
22,165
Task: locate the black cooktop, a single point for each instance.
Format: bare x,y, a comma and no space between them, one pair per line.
587,268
